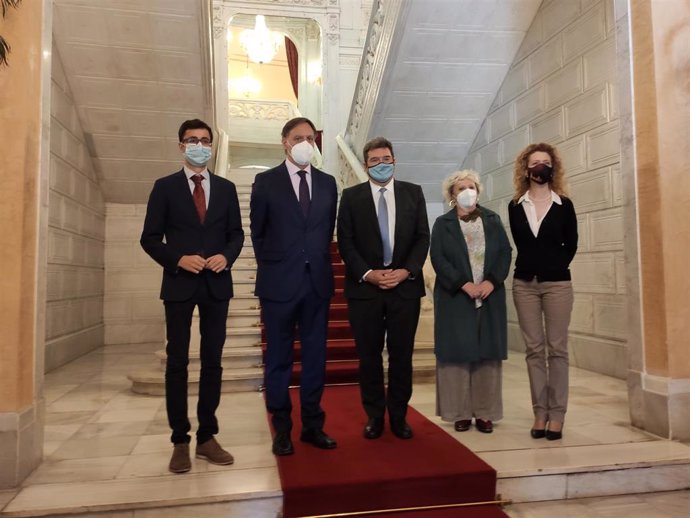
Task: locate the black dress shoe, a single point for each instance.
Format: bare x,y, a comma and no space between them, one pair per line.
537,433
484,425
374,428
401,429
282,444
553,436
463,425
317,437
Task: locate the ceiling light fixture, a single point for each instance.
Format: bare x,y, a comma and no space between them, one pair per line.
260,43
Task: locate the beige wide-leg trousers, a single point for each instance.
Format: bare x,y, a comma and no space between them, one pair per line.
543,310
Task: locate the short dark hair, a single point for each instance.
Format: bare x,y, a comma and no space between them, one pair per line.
194,124
292,123
377,143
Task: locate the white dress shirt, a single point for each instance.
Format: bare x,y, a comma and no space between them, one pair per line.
531,211
205,183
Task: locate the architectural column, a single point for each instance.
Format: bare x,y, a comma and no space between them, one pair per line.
655,65
24,119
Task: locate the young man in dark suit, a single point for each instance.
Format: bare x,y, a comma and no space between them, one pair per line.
292,218
383,236
193,229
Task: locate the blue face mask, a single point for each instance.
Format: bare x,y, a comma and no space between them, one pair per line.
197,154
382,173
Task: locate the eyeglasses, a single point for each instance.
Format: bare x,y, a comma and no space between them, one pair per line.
204,141
380,160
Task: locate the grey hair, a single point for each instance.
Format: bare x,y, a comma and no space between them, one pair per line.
458,176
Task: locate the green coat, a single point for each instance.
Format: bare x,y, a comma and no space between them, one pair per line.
458,336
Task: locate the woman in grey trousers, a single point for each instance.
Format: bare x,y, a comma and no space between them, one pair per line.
544,228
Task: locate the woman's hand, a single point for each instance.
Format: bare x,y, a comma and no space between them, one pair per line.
485,289
472,290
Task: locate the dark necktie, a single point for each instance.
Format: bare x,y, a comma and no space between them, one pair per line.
304,201
199,197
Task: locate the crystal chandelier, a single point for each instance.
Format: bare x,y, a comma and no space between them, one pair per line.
260,43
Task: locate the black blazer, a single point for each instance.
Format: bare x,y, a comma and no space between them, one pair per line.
361,247
172,229
284,240
548,255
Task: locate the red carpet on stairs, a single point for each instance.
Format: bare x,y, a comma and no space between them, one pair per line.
387,473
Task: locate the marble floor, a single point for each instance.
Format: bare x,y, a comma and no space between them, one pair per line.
106,447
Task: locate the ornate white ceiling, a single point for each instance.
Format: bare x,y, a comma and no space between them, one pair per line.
137,69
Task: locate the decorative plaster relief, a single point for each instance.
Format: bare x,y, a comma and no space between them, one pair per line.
261,110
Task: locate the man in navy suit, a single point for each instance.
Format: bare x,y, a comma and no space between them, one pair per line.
383,237
193,229
292,218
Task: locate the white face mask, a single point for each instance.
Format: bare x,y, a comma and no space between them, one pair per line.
302,153
466,199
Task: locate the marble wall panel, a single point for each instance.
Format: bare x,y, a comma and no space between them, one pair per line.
546,60
515,142
606,230
610,316
592,190
587,112
594,273
531,105
597,64
573,155
582,317
564,85
603,145
558,14
587,31
549,128
501,122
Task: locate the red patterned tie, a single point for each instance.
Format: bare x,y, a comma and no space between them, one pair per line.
199,197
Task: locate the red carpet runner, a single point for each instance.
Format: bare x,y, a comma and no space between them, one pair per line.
387,473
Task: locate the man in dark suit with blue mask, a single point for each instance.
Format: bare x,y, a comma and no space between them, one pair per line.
292,217
193,229
383,236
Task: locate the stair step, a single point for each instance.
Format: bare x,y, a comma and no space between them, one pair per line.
152,381
233,358
244,301
243,337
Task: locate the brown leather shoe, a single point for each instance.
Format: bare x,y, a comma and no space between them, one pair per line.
180,461
213,453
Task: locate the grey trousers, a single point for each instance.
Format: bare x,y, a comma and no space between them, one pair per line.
464,390
543,310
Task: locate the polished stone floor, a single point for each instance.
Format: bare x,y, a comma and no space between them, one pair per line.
106,447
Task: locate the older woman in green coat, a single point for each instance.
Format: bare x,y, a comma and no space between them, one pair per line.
470,252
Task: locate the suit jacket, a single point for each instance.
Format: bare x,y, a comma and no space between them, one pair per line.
284,240
361,247
172,229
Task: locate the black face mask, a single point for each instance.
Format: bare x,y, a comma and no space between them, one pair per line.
541,173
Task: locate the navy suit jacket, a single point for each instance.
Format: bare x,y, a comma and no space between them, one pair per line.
361,246
284,240
172,229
